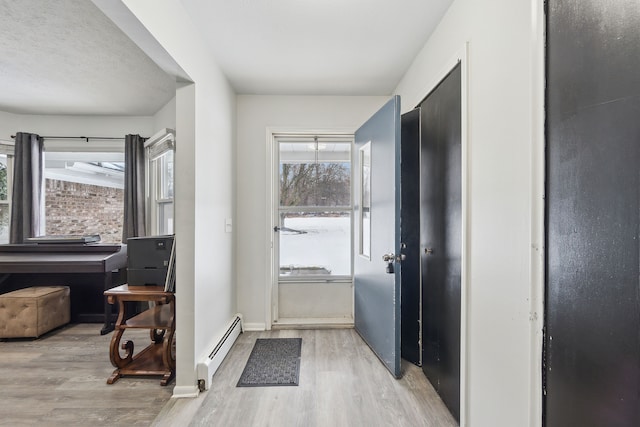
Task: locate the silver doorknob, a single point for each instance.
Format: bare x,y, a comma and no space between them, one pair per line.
392,257
428,251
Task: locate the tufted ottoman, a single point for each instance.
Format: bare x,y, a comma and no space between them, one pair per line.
31,312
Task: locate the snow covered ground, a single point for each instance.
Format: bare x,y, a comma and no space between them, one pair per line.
326,244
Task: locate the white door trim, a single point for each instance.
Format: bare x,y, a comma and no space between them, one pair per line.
271,182
537,191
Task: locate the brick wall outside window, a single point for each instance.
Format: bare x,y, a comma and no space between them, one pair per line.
73,208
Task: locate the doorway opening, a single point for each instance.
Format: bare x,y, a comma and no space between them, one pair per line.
311,212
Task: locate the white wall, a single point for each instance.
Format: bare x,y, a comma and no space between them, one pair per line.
255,115
111,126
205,131
9,124
505,199
52,125
165,117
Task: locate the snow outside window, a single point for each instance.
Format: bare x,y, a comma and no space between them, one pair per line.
314,208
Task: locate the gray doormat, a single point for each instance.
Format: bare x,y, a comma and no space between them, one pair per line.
273,362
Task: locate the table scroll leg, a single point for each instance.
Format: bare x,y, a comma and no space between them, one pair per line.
108,324
167,378
168,349
114,377
114,354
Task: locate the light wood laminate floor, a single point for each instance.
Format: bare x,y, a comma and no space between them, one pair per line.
60,380
342,383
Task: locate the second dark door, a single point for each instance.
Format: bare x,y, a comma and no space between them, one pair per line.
441,237
410,239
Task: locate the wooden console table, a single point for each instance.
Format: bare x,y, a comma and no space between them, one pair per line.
158,358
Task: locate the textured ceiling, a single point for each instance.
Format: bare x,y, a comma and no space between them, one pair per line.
66,57
316,47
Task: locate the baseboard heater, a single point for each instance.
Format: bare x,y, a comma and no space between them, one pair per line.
210,364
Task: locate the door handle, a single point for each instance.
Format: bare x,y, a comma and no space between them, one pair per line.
428,251
390,257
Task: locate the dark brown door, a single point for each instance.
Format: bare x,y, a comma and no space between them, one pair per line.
441,237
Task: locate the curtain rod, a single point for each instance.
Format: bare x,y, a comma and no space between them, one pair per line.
86,138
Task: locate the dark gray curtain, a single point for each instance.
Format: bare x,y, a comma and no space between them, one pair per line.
134,197
27,199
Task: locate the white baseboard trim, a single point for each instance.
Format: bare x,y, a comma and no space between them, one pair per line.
314,323
184,391
254,327
212,359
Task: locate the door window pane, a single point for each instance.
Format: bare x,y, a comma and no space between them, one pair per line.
365,200
315,174
317,243
314,207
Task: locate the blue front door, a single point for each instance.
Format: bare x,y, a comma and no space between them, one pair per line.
377,232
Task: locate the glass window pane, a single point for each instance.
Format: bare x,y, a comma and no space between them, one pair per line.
4,182
84,193
365,200
315,244
165,218
166,175
315,174
4,223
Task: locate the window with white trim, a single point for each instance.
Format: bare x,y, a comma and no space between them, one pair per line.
84,187
160,177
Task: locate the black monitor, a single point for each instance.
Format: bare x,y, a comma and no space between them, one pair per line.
148,260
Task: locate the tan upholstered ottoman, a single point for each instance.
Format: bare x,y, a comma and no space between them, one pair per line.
31,312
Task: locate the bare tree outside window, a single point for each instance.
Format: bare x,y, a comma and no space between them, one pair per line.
315,184
3,182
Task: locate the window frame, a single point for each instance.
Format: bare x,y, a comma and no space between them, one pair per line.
156,148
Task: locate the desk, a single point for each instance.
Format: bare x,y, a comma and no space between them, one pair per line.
159,357
86,269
